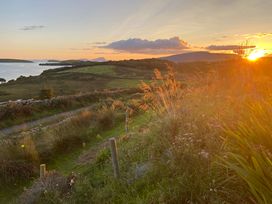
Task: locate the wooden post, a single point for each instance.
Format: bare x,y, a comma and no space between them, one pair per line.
126,122
42,170
114,157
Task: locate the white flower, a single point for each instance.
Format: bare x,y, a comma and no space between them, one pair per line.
204,154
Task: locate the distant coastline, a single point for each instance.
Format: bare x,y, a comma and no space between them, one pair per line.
14,61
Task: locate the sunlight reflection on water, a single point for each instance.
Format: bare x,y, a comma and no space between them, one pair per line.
10,71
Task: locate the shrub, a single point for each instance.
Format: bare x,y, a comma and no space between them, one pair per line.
46,94
18,160
102,156
14,110
105,118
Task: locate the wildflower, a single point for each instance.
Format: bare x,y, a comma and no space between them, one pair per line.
72,181
22,146
204,154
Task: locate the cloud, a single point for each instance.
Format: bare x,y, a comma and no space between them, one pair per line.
106,53
257,35
99,43
80,49
137,45
33,27
230,47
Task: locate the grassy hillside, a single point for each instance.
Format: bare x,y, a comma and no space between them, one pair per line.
79,79
203,139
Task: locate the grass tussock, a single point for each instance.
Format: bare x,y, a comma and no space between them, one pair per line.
164,93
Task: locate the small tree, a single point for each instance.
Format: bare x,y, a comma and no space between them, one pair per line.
2,80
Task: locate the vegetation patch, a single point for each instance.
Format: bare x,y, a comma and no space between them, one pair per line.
96,69
129,83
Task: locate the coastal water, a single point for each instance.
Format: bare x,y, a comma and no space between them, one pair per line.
10,71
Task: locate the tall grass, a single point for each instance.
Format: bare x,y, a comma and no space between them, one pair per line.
222,101
186,140
164,93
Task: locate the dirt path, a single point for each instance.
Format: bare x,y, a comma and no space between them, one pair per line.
43,121
89,156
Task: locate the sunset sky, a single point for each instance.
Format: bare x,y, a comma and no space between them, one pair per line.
124,29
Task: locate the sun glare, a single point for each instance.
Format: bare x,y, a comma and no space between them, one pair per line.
256,54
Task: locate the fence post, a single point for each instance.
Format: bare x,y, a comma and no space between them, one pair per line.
114,157
126,122
42,170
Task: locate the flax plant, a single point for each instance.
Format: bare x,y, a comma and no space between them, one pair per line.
249,151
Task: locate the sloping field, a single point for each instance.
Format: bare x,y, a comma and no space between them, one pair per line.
97,69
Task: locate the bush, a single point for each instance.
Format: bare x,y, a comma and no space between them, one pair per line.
18,160
14,110
106,118
102,156
46,94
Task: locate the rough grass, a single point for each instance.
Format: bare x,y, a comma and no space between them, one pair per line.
129,83
177,158
17,113
51,144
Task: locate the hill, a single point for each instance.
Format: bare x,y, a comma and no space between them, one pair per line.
202,56
14,61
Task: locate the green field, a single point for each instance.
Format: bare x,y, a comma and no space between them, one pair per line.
97,69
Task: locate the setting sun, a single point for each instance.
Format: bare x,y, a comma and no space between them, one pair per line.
256,54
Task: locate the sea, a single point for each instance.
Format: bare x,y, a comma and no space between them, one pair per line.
10,71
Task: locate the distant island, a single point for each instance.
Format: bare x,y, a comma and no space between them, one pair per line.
53,62
14,61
